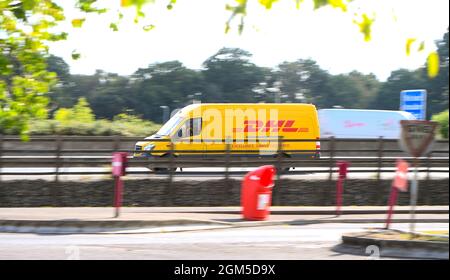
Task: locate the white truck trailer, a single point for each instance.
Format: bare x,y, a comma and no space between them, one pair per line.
362,124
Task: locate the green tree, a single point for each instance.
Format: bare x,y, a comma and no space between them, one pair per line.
24,79
437,88
353,90
442,119
233,74
60,67
304,81
64,115
82,112
388,97
108,96
59,94
164,84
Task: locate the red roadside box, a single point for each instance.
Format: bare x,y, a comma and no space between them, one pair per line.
343,169
256,193
119,163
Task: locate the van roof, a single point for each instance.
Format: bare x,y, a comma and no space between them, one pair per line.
193,106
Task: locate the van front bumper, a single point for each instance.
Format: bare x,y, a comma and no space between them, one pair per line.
141,153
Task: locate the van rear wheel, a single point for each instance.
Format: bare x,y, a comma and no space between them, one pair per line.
284,169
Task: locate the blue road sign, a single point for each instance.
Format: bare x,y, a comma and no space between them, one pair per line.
415,102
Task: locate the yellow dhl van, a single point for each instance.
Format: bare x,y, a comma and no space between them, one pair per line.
249,130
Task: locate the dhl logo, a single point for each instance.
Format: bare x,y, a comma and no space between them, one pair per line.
270,126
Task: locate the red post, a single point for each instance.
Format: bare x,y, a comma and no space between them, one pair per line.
392,202
119,165
118,188
343,167
400,182
339,196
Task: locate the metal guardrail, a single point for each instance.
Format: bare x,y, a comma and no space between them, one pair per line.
381,157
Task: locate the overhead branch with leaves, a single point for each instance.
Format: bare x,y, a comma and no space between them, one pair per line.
24,80
27,27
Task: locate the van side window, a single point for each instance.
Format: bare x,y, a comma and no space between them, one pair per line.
191,127
196,125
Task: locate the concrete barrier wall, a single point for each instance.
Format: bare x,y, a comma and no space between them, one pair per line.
207,193
66,145
129,145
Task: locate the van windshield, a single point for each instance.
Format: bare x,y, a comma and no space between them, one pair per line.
170,125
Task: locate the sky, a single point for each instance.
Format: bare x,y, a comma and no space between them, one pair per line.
193,31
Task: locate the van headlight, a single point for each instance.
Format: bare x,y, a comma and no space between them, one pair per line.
149,147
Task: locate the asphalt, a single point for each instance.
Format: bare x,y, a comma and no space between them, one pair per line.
157,219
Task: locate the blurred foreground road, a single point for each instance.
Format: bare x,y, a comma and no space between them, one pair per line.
271,242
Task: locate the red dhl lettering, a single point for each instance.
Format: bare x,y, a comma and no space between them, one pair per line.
271,125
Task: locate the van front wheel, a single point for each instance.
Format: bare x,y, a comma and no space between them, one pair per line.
162,170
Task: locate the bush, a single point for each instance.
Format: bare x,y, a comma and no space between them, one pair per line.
442,119
123,125
131,125
80,120
81,112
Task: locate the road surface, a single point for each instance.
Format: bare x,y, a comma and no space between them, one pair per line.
275,242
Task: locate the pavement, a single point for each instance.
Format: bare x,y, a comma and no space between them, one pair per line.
389,244
48,220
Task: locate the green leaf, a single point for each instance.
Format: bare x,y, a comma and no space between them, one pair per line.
24,135
421,46
140,14
242,2
148,27
171,3
19,11
78,22
409,42
433,64
365,26
227,28
267,3
75,55
241,26
338,4
86,6
113,26
320,3
126,3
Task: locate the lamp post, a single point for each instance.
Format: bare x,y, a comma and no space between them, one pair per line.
276,91
300,96
197,95
165,113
